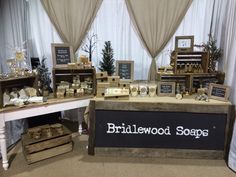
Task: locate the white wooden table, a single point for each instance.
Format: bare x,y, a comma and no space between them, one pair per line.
54,105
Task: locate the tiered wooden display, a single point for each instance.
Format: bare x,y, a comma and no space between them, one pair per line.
67,74
104,82
46,141
18,82
190,69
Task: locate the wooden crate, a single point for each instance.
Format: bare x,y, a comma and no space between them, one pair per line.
190,62
46,147
19,83
67,74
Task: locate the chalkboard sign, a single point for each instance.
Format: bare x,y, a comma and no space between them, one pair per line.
62,55
166,88
218,92
125,69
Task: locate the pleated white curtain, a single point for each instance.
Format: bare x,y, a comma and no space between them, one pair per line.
13,33
155,22
72,19
223,28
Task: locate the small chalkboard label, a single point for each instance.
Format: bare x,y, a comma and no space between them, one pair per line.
125,69
62,54
166,88
218,92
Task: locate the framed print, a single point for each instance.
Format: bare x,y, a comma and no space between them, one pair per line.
184,43
166,89
218,92
62,54
125,69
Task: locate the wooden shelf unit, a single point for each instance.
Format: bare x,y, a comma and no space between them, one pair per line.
196,59
19,83
67,74
192,81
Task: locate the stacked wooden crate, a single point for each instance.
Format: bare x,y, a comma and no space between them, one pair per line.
102,83
46,141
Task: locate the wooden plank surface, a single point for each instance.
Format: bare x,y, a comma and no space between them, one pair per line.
34,157
47,144
159,153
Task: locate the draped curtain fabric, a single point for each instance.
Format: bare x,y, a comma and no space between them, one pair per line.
224,24
13,33
155,22
72,18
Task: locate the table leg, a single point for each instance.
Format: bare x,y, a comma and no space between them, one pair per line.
3,145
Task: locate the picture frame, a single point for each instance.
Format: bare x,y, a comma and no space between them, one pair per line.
62,54
166,89
184,43
125,69
219,92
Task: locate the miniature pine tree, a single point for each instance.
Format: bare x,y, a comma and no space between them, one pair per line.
107,63
44,76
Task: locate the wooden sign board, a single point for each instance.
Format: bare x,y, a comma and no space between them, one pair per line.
219,92
125,69
166,89
184,43
62,54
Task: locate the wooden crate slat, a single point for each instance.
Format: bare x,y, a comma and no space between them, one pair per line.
47,144
35,157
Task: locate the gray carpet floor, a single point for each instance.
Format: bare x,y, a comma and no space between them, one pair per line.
78,164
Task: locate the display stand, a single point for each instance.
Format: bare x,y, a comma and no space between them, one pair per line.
183,129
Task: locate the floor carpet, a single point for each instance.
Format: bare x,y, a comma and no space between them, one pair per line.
78,164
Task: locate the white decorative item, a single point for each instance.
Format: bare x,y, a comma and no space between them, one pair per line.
152,90
36,99
13,94
6,99
30,91
23,94
134,89
143,89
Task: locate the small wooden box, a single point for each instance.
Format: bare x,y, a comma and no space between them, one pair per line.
45,146
124,85
114,84
101,75
113,79
103,85
100,94
102,80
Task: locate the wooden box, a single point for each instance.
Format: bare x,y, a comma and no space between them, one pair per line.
103,85
19,83
46,144
112,79
67,74
190,62
101,75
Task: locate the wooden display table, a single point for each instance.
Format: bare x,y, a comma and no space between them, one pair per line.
17,113
160,127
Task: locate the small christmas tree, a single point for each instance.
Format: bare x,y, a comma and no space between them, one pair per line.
44,76
107,63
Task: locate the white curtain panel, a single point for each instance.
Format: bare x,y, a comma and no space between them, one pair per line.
224,25
72,19
13,33
13,28
155,22
113,23
43,32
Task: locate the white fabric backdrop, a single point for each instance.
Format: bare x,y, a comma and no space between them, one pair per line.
14,19
224,25
113,23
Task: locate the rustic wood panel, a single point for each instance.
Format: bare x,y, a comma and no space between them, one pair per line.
158,106
47,144
161,153
34,157
92,135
